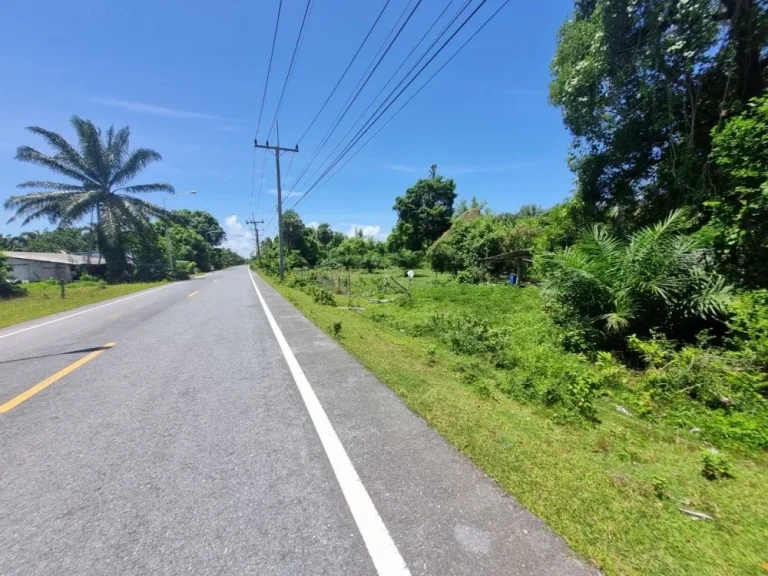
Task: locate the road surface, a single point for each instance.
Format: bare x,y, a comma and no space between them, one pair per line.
207,427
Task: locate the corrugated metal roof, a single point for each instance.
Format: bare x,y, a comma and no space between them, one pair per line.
58,258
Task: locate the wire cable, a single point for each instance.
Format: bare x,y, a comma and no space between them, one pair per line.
290,66
343,74
349,103
269,67
261,182
370,125
253,178
411,97
405,77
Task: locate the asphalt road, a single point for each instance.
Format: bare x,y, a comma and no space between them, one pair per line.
204,433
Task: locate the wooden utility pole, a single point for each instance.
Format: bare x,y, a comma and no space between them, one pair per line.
277,150
256,232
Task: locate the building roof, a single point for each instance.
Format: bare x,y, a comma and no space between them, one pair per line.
58,257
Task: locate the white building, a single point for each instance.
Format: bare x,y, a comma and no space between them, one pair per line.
35,266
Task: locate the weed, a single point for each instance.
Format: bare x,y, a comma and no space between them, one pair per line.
660,487
716,466
324,296
335,329
432,355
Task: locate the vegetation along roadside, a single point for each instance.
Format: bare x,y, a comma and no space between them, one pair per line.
621,488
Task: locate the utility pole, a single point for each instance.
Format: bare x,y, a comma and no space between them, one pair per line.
277,150
256,232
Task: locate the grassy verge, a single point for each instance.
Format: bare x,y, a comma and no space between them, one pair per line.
613,489
43,299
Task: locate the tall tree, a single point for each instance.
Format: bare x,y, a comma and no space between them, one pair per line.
641,84
424,212
203,223
102,167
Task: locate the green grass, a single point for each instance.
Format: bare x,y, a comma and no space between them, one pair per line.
612,489
43,299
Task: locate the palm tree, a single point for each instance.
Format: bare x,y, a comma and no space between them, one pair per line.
102,168
657,279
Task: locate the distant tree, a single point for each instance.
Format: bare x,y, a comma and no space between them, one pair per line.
101,169
407,259
72,240
474,204
423,213
324,233
226,258
203,223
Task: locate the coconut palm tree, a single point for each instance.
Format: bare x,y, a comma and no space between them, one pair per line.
101,167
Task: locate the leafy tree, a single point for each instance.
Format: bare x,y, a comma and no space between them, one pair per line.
226,258
101,168
12,243
324,234
474,204
407,259
740,213
187,244
423,213
641,84
203,223
72,240
656,280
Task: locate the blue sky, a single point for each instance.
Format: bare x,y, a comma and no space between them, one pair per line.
188,78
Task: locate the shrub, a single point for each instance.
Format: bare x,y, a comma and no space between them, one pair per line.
335,329
715,466
655,280
324,296
8,289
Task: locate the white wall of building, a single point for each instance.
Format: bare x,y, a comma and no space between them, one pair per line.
33,270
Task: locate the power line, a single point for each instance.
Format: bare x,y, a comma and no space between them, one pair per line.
253,178
411,97
343,74
269,67
348,104
290,66
413,67
371,123
261,181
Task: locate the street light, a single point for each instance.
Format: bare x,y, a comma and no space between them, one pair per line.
168,228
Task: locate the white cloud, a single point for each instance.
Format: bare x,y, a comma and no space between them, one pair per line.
313,225
154,110
239,238
369,231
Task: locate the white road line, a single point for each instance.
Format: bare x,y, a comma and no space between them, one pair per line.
386,558
82,312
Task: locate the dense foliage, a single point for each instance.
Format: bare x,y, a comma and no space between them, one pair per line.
423,213
71,240
101,169
642,84
739,213
656,280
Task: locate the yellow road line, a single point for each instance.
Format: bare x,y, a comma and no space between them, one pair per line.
13,402
193,293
